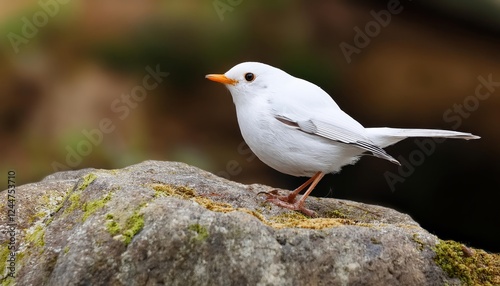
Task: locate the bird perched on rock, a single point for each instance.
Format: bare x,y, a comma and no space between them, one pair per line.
295,127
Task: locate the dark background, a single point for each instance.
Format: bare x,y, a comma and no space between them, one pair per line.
65,76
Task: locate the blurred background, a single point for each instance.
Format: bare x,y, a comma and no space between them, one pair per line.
73,94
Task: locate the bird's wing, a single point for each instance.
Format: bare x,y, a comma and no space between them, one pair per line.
336,133
321,116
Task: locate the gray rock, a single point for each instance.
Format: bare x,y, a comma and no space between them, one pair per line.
169,223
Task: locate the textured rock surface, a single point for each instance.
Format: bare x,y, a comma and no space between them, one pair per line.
170,223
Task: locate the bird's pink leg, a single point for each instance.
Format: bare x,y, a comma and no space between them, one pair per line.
291,197
289,201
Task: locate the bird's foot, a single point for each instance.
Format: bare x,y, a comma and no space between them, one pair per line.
275,195
289,203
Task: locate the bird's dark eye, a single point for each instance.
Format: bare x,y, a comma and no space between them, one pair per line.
249,76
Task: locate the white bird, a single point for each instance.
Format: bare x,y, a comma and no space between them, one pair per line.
295,127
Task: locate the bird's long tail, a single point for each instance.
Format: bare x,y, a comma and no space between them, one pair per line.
385,136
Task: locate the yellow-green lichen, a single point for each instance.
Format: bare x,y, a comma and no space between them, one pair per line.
130,228
74,198
36,217
111,171
5,273
201,231
295,219
4,254
91,207
190,194
421,244
471,266
173,191
88,208
7,281
87,180
36,237
133,225
74,201
335,214
288,219
113,227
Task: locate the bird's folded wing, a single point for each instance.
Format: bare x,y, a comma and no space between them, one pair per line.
336,133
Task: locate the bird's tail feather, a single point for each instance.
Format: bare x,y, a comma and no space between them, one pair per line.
385,136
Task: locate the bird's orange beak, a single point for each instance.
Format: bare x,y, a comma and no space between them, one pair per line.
221,78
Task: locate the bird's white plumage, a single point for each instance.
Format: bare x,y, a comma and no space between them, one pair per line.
296,128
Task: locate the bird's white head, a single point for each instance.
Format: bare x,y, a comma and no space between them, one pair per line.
249,80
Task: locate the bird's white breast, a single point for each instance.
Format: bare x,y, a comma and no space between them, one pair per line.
286,148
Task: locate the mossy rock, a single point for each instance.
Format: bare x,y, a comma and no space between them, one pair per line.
471,266
170,223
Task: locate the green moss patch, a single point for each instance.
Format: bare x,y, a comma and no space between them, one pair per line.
133,225
4,254
91,207
201,231
187,193
335,214
37,236
471,266
74,203
113,227
296,219
127,230
173,191
87,180
421,244
74,198
285,220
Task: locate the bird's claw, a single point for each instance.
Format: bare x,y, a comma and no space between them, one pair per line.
274,195
271,193
287,202
296,206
